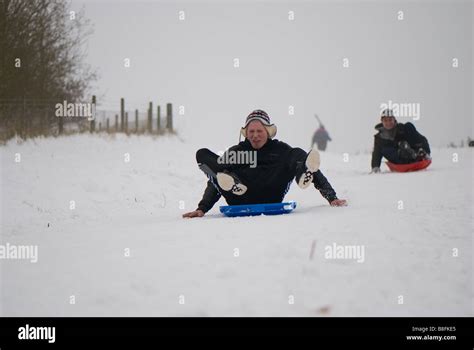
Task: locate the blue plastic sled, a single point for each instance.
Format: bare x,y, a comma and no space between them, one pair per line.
258,209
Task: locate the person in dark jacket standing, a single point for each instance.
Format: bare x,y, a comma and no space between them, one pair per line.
398,143
259,169
321,138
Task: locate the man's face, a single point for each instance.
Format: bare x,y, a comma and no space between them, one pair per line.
388,122
257,134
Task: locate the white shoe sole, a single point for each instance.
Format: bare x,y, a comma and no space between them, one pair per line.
312,165
227,183
313,161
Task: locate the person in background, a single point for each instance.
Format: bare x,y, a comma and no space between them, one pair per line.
321,138
399,143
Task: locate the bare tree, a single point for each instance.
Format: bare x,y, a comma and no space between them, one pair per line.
42,61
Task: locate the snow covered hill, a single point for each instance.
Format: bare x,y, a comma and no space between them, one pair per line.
111,240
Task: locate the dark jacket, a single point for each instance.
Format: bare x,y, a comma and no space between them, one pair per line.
273,161
403,132
321,135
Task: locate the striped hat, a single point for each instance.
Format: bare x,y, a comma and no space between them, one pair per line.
263,117
387,113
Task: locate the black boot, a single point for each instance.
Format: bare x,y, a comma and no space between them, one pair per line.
422,155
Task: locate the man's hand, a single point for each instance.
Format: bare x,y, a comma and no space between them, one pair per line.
194,214
375,170
339,203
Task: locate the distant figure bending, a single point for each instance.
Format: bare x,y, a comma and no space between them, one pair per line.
321,138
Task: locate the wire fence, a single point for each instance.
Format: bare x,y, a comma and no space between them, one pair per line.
32,117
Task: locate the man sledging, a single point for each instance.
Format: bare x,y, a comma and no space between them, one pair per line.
267,174
398,143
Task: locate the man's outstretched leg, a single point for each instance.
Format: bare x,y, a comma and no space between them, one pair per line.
220,173
304,168
305,164
404,154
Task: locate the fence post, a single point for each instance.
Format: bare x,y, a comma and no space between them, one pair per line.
136,121
126,122
122,113
92,122
60,124
169,117
150,117
158,119
116,123
107,125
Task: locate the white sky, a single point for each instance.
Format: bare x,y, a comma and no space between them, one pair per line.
288,63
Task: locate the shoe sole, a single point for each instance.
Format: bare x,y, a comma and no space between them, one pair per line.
312,163
227,182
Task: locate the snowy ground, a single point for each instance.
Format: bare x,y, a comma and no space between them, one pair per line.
179,267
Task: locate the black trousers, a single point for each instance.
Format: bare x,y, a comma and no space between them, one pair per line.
396,155
268,182
400,156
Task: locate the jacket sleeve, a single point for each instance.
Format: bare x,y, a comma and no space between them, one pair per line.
209,198
376,153
322,184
